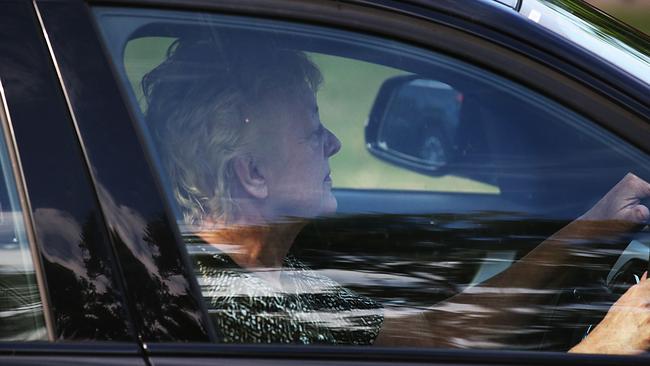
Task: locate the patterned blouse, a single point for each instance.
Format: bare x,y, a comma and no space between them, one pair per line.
309,308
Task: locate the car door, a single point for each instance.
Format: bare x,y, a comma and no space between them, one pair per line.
62,294
400,235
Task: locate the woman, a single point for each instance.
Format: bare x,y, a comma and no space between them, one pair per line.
239,135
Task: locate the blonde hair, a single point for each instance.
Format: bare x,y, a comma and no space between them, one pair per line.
199,99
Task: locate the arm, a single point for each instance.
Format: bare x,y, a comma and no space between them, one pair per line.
472,317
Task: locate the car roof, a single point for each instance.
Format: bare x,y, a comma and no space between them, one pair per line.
511,3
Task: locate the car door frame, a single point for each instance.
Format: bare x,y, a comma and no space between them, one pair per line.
550,74
54,186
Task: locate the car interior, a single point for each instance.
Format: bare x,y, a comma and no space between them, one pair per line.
410,248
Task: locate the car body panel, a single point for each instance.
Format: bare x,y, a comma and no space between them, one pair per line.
114,198
156,271
88,353
203,354
69,229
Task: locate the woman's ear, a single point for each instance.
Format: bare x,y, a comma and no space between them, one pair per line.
249,176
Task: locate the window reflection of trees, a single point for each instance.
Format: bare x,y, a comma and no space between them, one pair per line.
85,301
409,262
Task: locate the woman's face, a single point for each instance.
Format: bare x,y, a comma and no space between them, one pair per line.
294,158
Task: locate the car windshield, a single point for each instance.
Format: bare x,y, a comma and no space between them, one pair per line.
595,31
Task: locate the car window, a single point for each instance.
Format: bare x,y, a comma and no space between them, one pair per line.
21,306
337,188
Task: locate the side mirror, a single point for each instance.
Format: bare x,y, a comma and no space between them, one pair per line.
413,123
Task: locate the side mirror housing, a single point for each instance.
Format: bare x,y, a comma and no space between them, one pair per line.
413,122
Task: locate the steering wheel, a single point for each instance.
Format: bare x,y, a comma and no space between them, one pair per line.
626,272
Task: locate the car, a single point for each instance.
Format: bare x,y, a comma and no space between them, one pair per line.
469,133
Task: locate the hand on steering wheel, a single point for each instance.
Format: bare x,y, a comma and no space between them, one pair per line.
626,327
623,205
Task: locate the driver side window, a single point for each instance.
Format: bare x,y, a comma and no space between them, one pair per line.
327,183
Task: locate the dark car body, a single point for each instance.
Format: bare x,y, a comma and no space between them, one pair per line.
109,276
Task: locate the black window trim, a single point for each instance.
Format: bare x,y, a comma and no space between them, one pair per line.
378,355
124,249
51,172
74,350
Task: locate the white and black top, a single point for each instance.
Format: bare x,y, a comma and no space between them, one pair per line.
309,308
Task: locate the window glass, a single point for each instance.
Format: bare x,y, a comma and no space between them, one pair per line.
338,188
21,308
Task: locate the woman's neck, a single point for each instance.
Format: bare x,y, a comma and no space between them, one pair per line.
254,246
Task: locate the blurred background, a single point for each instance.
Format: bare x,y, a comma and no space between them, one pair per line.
633,12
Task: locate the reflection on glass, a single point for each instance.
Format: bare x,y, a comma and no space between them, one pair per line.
21,309
234,119
256,196
258,171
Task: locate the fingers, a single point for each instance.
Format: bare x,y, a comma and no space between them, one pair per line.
642,214
639,191
638,185
645,276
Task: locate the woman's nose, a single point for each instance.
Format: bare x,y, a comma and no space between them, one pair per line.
332,144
